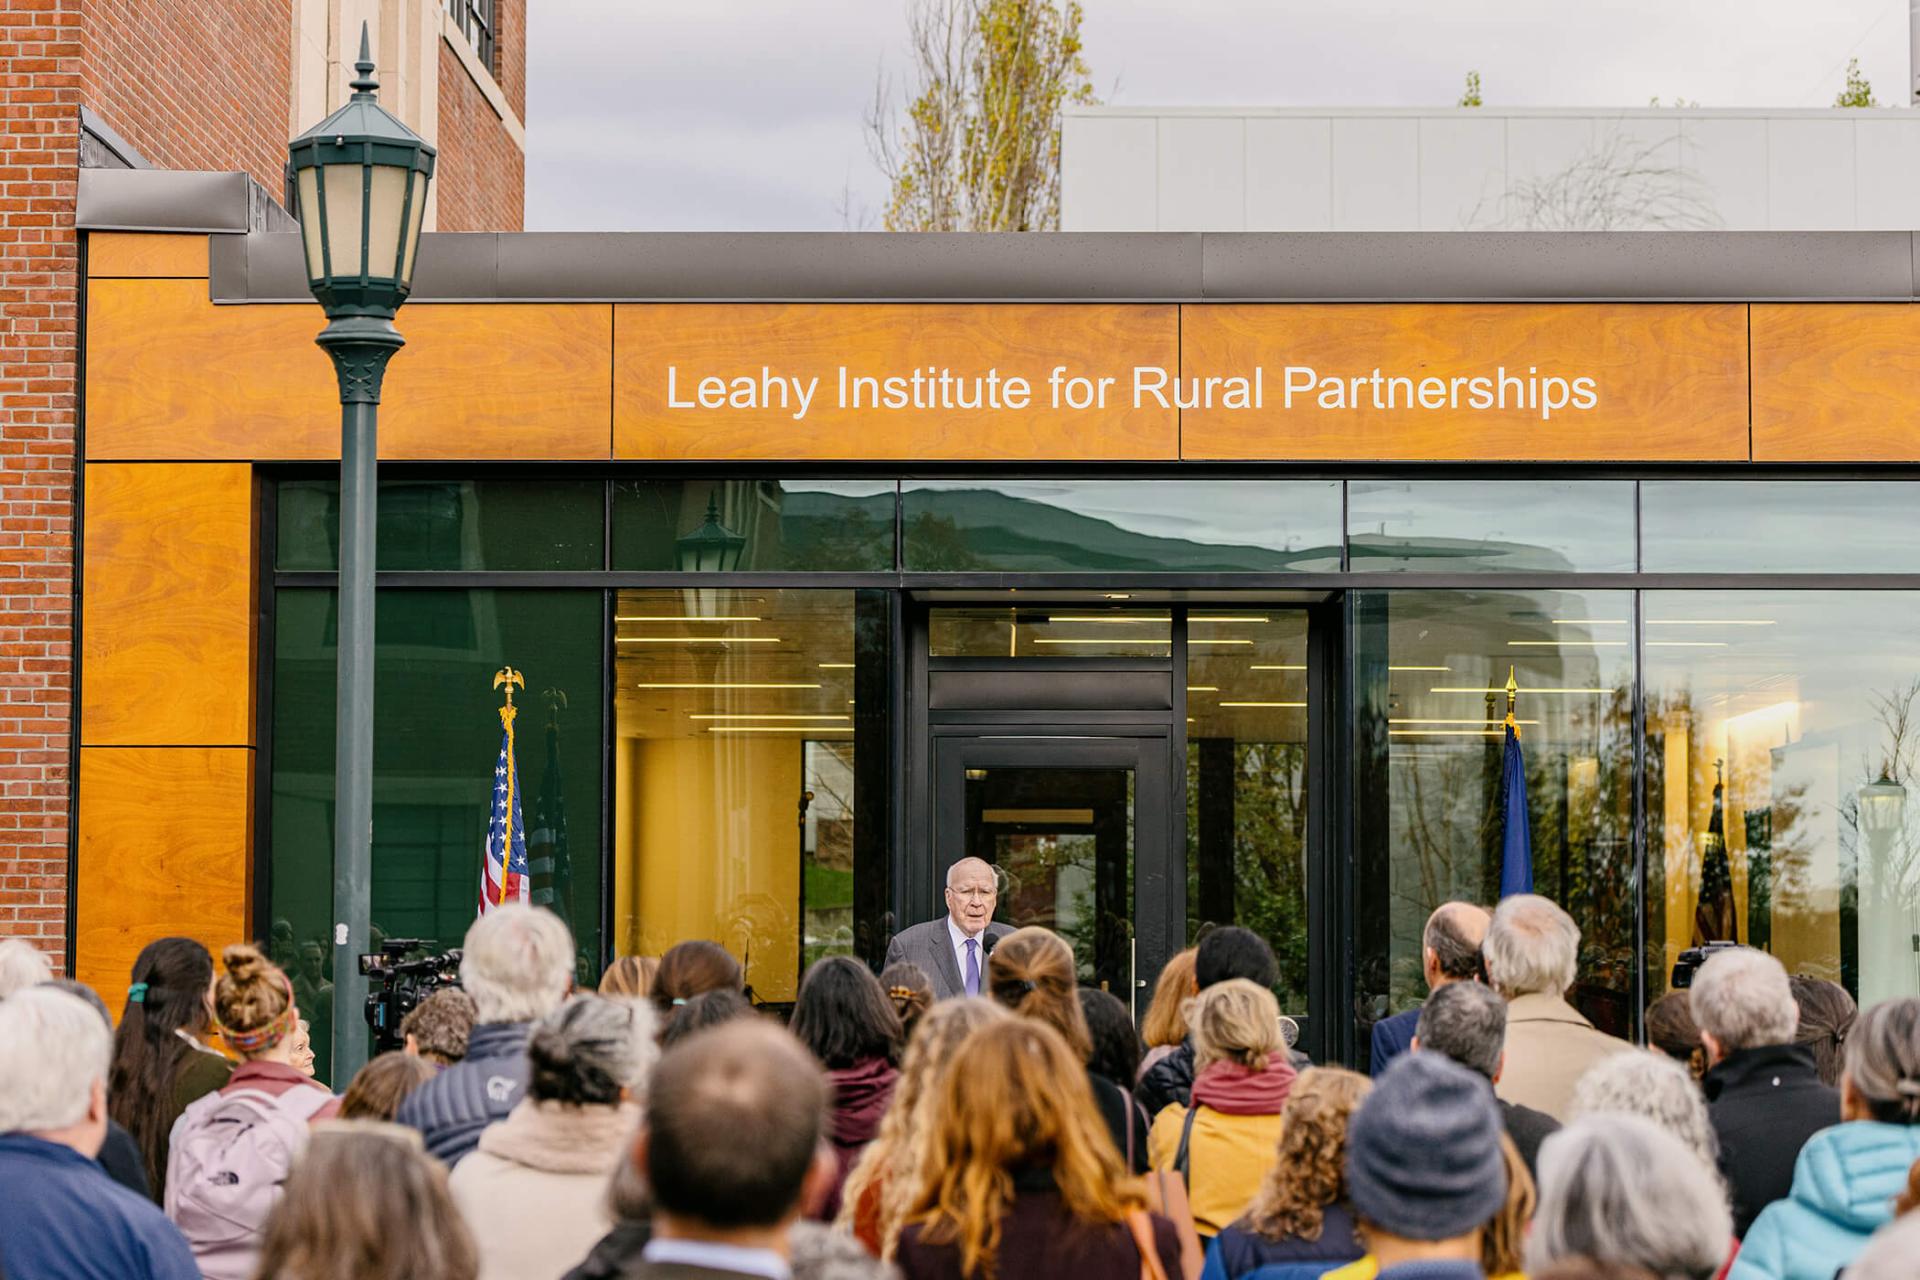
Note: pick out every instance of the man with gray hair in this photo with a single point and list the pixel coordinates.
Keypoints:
(518, 966)
(1449, 952)
(1764, 1094)
(1532, 950)
(64, 1216)
(1467, 1022)
(22, 965)
(952, 950)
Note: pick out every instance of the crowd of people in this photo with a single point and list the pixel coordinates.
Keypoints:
(988, 1120)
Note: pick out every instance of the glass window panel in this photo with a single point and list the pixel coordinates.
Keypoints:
(1140, 526)
(1476, 526)
(525, 525)
(1432, 670)
(1779, 526)
(1247, 782)
(733, 776)
(817, 525)
(1772, 719)
(436, 739)
(1062, 631)
(342, 187)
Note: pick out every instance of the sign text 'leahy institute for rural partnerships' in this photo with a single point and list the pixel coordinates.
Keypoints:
(937, 387)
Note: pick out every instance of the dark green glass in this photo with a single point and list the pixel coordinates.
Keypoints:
(785, 525)
(1132, 526)
(508, 525)
(436, 737)
(1490, 526)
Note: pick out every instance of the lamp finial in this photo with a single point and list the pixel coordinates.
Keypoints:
(1513, 693)
(364, 84)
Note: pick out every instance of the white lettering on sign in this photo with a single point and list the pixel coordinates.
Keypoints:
(1301, 387)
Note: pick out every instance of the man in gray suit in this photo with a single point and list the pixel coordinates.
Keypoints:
(953, 949)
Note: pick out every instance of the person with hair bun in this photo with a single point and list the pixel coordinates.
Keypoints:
(161, 1061)
(1826, 1017)
(1031, 972)
(630, 976)
(689, 969)
(1848, 1176)
(533, 1191)
(230, 1152)
(911, 991)
(1672, 1031)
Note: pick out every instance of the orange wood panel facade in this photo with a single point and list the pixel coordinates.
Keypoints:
(170, 375)
(1671, 381)
(167, 635)
(1836, 382)
(138, 253)
(163, 849)
(879, 340)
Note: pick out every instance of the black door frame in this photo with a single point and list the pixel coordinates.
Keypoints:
(1330, 1034)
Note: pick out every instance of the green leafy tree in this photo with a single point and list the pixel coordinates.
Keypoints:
(1858, 92)
(977, 147)
(1471, 98)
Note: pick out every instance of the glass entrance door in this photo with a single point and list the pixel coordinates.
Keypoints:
(1076, 827)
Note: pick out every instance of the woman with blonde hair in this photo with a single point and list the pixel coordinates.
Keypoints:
(1300, 1214)
(230, 1151)
(1223, 1144)
(1031, 972)
(1018, 1179)
(1165, 1026)
(366, 1203)
(874, 1199)
(630, 976)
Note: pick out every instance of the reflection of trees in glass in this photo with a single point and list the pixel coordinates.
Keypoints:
(1269, 854)
(937, 543)
(826, 867)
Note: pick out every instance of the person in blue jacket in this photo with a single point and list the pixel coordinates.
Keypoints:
(1847, 1176)
(1449, 952)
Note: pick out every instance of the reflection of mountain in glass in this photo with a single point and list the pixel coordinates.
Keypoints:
(957, 529)
(1372, 552)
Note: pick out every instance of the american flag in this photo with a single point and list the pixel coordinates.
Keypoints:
(506, 841)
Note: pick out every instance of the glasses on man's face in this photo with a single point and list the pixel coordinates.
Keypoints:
(972, 893)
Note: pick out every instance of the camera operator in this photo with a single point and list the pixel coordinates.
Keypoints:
(1764, 1094)
(518, 966)
(404, 985)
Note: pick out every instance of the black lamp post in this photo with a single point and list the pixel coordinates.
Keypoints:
(361, 182)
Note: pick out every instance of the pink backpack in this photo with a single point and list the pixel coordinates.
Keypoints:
(229, 1156)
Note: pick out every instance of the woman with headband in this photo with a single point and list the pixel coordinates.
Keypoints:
(232, 1150)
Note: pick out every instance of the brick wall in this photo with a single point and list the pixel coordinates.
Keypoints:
(40, 57)
(481, 176)
(193, 84)
(510, 53)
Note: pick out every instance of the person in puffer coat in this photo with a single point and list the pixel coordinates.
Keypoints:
(534, 1191)
(1847, 1177)
(518, 966)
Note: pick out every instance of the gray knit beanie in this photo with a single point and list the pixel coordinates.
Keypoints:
(1423, 1150)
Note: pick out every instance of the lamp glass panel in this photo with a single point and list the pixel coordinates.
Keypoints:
(343, 189)
(309, 181)
(416, 216)
(386, 201)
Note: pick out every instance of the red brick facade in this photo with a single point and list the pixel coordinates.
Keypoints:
(481, 176)
(40, 95)
(193, 84)
(190, 84)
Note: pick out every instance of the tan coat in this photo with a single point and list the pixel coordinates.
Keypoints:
(1549, 1047)
(534, 1192)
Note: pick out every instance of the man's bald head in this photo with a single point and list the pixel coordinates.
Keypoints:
(750, 1078)
(973, 891)
(1451, 943)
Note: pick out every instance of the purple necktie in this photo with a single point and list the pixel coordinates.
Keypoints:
(973, 967)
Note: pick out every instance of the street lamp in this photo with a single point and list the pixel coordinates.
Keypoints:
(360, 177)
(712, 548)
(1885, 942)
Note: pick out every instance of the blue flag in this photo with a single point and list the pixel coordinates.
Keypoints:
(1516, 849)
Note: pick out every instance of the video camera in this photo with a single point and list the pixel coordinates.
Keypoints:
(1692, 958)
(403, 984)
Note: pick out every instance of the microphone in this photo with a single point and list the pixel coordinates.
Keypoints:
(987, 939)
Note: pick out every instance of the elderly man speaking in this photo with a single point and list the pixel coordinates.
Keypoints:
(953, 950)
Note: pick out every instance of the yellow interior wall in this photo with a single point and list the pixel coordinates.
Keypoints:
(1676, 824)
(708, 846)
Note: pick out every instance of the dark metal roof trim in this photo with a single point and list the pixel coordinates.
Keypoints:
(175, 200)
(1466, 266)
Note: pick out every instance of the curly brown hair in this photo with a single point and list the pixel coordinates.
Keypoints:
(1310, 1171)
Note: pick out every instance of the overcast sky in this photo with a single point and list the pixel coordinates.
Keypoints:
(650, 115)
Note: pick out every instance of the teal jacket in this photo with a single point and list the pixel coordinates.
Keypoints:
(1843, 1189)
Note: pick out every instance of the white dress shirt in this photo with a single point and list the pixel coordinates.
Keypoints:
(960, 938)
(718, 1257)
